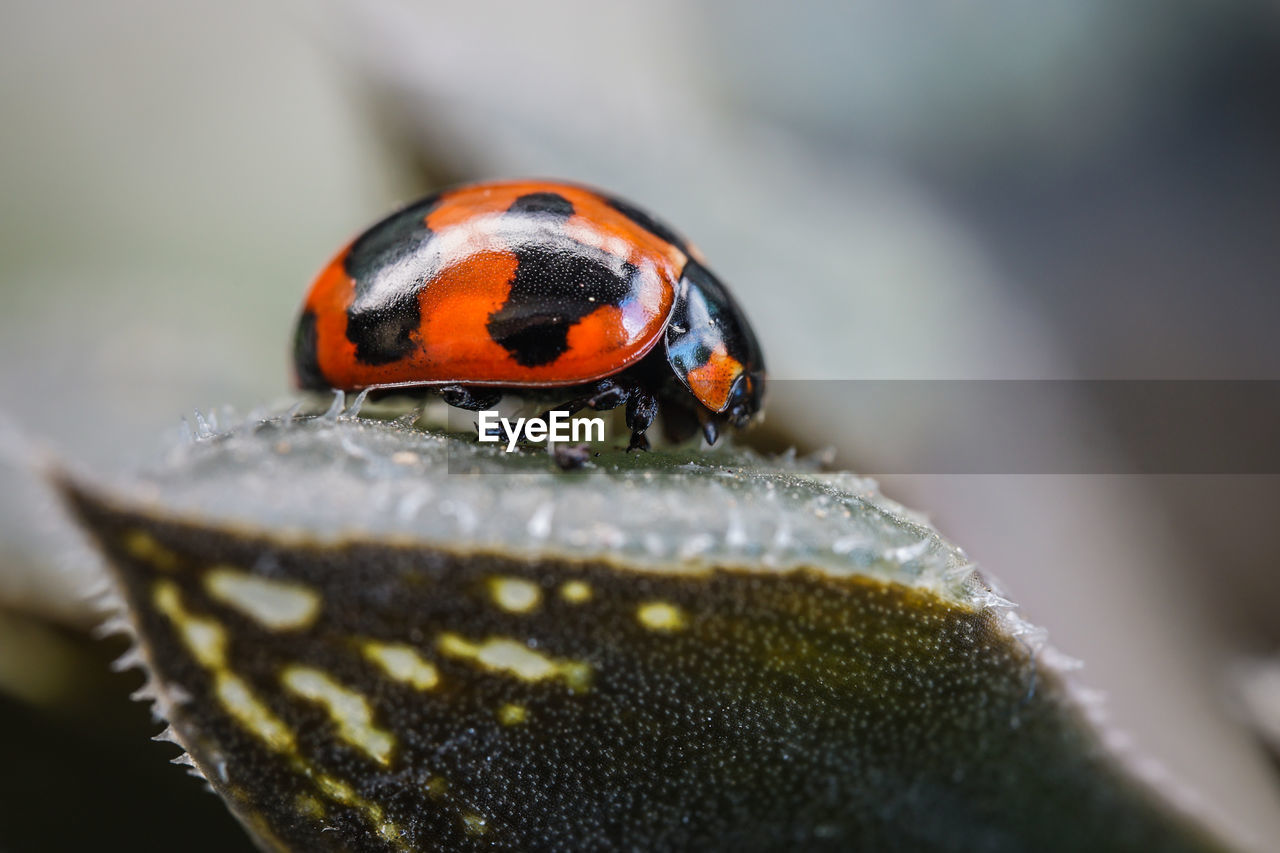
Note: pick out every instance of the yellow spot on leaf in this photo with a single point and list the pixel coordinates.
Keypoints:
(474, 823)
(342, 793)
(661, 616)
(309, 806)
(274, 604)
(437, 787)
(143, 546)
(207, 641)
(576, 592)
(402, 663)
(203, 637)
(252, 713)
(576, 674)
(389, 831)
(337, 790)
(350, 711)
(509, 657)
(515, 595)
(512, 715)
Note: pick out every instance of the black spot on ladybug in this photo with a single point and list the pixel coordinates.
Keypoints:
(552, 290)
(551, 203)
(647, 222)
(383, 315)
(305, 362)
(383, 334)
(395, 238)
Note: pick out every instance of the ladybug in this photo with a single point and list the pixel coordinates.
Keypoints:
(540, 288)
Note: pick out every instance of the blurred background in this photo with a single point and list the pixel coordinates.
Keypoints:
(991, 190)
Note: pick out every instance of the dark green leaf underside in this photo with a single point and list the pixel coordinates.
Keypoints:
(712, 709)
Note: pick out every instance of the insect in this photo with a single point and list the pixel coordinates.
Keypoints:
(545, 289)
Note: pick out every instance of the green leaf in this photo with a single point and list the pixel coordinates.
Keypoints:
(371, 637)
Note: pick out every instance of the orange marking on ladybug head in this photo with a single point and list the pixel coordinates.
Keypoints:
(712, 383)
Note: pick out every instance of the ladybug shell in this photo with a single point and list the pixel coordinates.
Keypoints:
(521, 284)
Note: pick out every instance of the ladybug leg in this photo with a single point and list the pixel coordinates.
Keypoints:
(471, 399)
(642, 408)
(608, 395)
(602, 397)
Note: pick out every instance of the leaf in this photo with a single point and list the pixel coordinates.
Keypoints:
(371, 637)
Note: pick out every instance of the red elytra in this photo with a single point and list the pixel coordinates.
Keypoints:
(530, 285)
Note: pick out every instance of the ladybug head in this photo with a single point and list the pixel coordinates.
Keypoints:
(712, 349)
